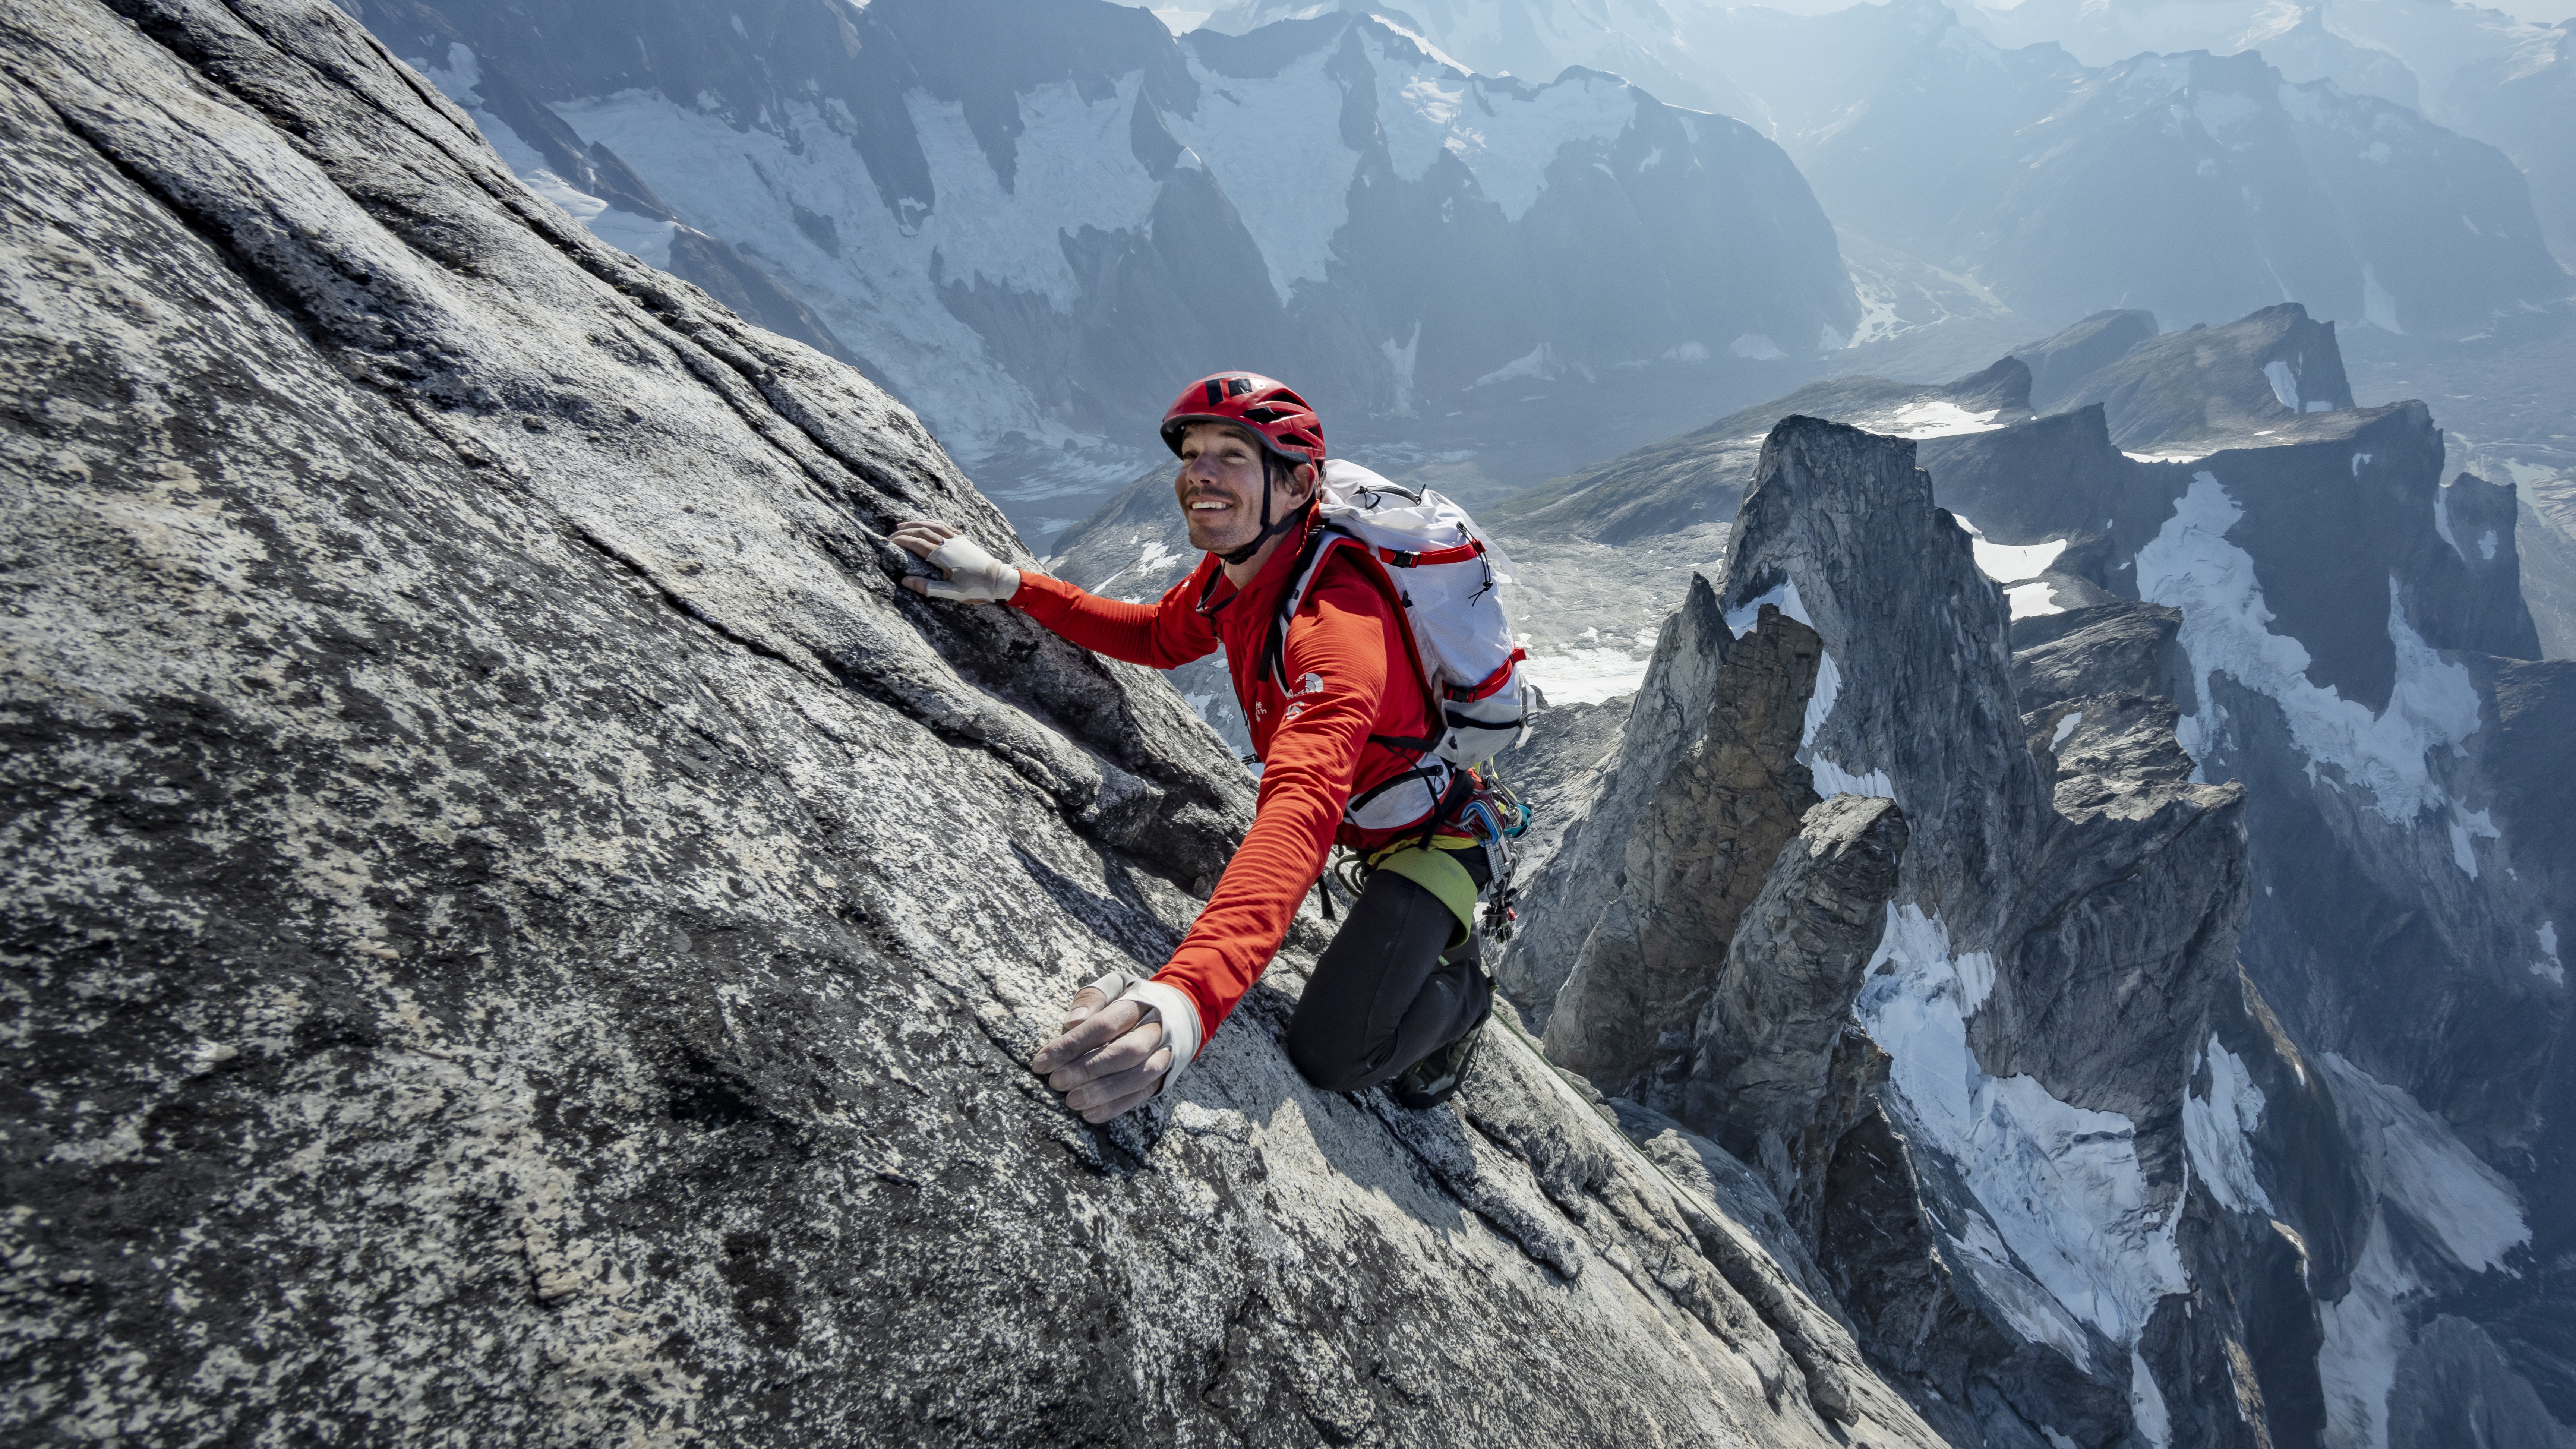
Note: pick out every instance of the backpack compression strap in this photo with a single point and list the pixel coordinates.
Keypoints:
(1492, 684)
(1466, 552)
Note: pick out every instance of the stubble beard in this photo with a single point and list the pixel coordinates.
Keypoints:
(1205, 538)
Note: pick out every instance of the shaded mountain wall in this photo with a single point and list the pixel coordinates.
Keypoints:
(1039, 217)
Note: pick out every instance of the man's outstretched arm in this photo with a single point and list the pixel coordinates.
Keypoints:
(1109, 1052)
(1162, 635)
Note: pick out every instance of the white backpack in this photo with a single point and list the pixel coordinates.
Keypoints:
(1445, 570)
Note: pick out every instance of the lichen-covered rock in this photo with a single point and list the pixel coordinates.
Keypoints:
(515, 930)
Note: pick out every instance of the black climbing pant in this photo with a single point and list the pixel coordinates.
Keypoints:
(1382, 996)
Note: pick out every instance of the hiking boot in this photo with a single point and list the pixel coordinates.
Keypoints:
(1434, 1079)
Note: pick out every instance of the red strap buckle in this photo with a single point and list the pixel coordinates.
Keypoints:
(1492, 684)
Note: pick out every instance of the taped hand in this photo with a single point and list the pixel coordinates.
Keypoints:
(1109, 1058)
(974, 576)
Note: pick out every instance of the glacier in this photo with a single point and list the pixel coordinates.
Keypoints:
(2062, 1184)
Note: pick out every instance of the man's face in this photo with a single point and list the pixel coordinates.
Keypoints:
(1220, 484)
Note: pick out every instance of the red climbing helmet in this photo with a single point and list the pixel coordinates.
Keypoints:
(1284, 421)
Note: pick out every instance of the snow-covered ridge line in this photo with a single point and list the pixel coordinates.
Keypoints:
(981, 268)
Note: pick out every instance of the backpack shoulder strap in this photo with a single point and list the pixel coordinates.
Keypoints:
(1321, 546)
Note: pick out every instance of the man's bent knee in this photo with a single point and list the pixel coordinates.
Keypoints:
(1330, 1065)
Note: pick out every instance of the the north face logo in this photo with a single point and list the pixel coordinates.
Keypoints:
(1311, 684)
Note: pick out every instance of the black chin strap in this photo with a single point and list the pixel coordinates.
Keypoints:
(1269, 530)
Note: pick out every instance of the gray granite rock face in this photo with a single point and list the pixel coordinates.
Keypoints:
(1779, 1076)
(2292, 604)
(2063, 361)
(2352, 648)
(516, 930)
(1559, 905)
(1689, 864)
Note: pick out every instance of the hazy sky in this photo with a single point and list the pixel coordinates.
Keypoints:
(1183, 18)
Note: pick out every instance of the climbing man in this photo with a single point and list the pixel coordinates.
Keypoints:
(1346, 726)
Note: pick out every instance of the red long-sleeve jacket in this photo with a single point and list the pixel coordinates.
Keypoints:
(1342, 747)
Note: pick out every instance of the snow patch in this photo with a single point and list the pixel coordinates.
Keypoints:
(1940, 418)
(1832, 779)
(2365, 1332)
(1820, 705)
(2065, 727)
(1506, 135)
(2026, 1307)
(1782, 596)
(2008, 562)
(2190, 565)
(2377, 307)
(2466, 827)
(2061, 1183)
(2442, 520)
(2420, 1166)
(1075, 169)
(1438, 55)
(2284, 386)
(1539, 363)
(1585, 676)
(1400, 361)
(2218, 1131)
(2487, 545)
(2030, 601)
(1277, 150)
(2147, 1404)
(1756, 346)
